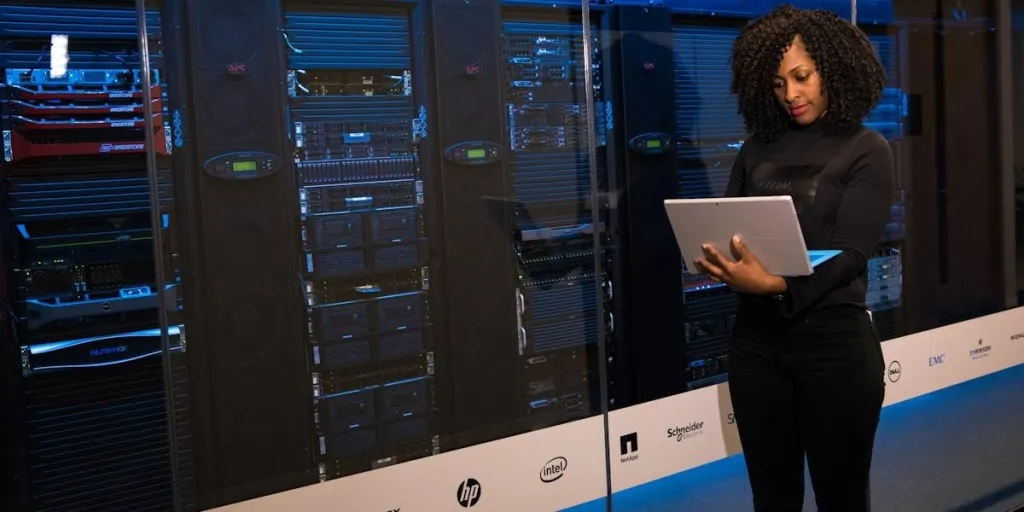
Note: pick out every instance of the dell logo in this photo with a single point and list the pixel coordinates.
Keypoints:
(468, 493)
(937, 360)
(894, 371)
(553, 469)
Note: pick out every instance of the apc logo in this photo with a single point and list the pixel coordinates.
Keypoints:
(629, 444)
(895, 370)
(937, 360)
(469, 492)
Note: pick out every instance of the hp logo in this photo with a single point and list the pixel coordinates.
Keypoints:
(469, 492)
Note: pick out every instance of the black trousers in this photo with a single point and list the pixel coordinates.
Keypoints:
(814, 389)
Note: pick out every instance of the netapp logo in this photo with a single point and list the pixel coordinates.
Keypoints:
(690, 431)
(629, 445)
(937, 360)
(895, 370)
(553, 469)
(109, 148)
(106, 351)
(981, 351)
(469, 492)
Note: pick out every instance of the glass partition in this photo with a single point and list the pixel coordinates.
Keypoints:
(390, 237)
(950, 206)
(296, 254)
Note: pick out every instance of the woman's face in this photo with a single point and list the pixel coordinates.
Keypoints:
(798, 87)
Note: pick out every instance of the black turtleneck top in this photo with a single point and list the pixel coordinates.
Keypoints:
(842, 186)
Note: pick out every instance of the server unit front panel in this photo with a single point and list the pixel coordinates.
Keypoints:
(358, 124)
(85, 404)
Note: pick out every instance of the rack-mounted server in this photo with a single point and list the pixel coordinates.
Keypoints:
(357, 133)
(563, 293)
(82, 350)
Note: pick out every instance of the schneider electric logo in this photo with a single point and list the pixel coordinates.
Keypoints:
(982, 350)
(694, 429)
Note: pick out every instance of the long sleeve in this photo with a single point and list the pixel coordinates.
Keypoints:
(860, 221)
(737, 177)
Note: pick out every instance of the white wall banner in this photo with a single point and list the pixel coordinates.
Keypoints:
(659, 438)
(563, 466)
(544, 470)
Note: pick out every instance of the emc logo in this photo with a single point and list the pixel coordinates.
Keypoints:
(937, 360)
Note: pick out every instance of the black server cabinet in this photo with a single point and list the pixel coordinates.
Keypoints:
(359, 124)
(238, 237)
(482, 337)
(83, 384)
(710, 135)
(560, 229)
(648, 337)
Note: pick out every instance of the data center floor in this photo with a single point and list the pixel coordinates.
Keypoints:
(958, 449)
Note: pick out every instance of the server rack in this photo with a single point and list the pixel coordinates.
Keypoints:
(84, 385)
(358, 121)
(711, 134)
(885, 268)
(564, 289)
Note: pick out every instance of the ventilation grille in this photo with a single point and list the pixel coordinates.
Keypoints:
(98, 439)
(377, 39)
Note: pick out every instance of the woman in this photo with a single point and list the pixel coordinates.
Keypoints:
(806, 368)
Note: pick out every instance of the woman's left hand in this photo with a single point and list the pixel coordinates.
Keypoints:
(745, 276)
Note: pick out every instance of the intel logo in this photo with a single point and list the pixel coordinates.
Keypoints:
(553, 469)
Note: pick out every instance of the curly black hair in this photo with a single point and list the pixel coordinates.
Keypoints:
(850, 72)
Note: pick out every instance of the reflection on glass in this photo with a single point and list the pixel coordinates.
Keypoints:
(83, 385)
(448, 285)
(561, 285)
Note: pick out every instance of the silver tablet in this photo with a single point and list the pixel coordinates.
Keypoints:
(768, 225)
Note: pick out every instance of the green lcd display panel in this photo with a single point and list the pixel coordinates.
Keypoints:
(244, 166)
(653, 144)
(476, 153)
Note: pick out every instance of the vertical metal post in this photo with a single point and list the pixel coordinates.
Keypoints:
(853, 11)
(602, 352)
(1007, 181)
(156, 223)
